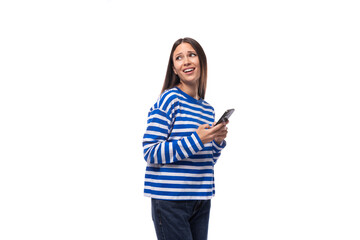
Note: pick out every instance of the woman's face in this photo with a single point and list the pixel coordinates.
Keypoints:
(186, 63)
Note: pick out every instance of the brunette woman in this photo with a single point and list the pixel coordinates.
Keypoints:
(181, 147)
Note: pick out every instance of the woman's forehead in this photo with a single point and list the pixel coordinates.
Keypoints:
(183, 48)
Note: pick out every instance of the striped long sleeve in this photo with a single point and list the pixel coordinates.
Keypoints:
(158, 149)
(179, 165)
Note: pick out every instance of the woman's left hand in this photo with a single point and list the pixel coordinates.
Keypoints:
(222, 133)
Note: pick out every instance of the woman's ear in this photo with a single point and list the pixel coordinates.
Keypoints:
(174, 71)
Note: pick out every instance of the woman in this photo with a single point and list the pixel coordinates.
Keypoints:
(181, 147)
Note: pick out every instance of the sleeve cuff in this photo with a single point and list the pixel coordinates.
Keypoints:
(218, 147)
(198, 140)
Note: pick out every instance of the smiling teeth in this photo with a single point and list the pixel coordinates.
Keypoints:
(188, 70)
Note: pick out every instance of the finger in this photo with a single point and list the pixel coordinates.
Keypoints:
(221, 131)
(223, 127)
(212, 125)
(217, 127)
(222, 136)
(204, 126)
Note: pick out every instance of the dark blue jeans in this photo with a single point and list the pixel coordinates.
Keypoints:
(182, 220)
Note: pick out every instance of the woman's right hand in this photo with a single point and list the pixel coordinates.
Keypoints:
(207, 133)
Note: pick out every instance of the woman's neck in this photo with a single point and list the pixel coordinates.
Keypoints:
(191, 90)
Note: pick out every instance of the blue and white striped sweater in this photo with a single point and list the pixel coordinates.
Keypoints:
(179, 165)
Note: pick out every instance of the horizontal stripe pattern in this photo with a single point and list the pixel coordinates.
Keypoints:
(179, 165)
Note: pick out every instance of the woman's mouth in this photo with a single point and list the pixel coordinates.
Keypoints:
(188, 70)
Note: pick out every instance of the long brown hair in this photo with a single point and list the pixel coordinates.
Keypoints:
(171, 79)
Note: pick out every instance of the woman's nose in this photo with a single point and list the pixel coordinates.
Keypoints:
(186, 61)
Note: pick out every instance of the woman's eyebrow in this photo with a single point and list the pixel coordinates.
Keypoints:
(191, 51)
(181, 53)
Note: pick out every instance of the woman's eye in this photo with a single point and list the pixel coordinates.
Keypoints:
(178, 58)
(192, 54)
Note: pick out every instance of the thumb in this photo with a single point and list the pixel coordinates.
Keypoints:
(204, 126)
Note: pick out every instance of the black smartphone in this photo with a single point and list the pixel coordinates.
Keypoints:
(225, 116)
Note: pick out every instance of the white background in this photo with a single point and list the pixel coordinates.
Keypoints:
(77, 81)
